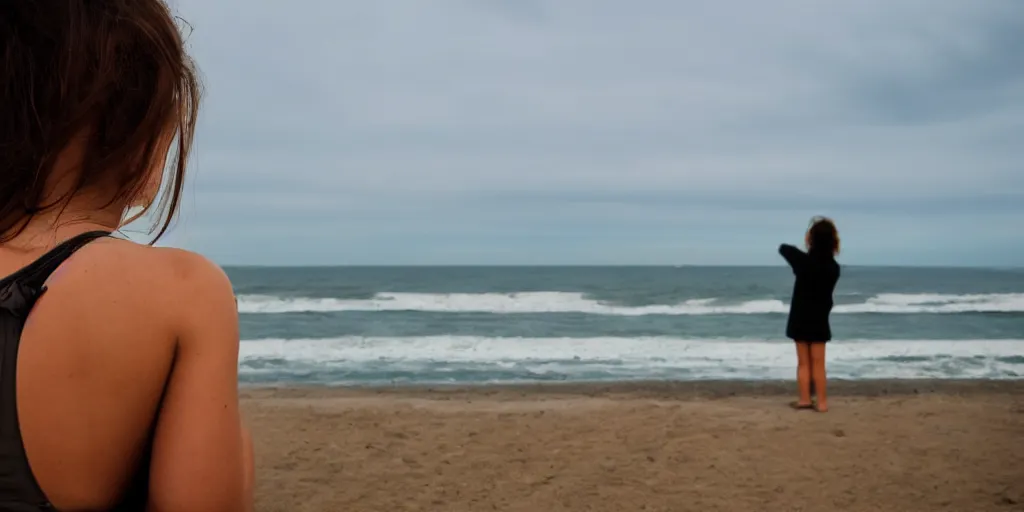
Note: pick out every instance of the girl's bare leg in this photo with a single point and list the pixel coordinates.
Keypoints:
(803, 373)
(817, 352)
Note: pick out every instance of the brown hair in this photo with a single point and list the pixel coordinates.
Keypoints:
(823, 235)
(113, 74)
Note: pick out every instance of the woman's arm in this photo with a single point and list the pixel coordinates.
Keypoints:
(795, 257)
(201, 453)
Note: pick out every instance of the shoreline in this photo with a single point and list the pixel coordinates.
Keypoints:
(708, 389)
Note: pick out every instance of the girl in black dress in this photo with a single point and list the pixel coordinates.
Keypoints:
(816, 274)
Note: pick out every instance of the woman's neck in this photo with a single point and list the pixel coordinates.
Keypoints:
(54, 225)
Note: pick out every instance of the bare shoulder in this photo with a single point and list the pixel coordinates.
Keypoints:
(123, 256)
(172, 281)
(201, 287)
(191, 272)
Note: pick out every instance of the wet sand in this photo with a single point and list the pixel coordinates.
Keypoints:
(716, 446)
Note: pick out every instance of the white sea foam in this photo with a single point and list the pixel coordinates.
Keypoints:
(444, 358)
(572, 302)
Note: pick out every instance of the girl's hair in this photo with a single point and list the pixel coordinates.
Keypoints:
(113, 74)
(823, 235)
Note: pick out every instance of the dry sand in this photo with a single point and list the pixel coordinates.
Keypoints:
(729, 446)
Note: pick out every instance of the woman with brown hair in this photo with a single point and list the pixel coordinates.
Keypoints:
(118, 361)
(816, 274)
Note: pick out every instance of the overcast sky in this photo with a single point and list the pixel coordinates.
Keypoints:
(605, 131)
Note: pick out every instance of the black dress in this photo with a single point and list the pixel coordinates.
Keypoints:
(816, 276)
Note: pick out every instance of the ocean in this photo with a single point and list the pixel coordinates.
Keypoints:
(474, 325)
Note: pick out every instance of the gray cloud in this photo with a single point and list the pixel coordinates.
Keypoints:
(445, 126)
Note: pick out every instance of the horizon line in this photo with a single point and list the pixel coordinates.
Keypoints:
(609, 265)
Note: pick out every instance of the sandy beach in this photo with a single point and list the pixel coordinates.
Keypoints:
(716, 446)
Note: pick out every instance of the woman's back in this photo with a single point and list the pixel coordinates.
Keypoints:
(816, 278)
(118, 370)
(96, 353)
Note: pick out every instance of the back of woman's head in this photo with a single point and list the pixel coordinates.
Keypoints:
(823, 236)
(105, 81)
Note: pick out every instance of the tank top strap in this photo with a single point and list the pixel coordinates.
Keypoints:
(19, 291)
(37, 272)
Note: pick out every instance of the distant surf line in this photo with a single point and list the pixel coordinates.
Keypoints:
(574, 302)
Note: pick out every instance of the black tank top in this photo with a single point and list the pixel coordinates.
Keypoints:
(19, 491)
